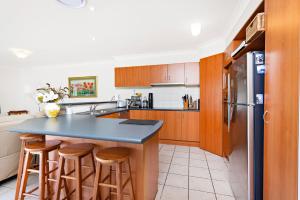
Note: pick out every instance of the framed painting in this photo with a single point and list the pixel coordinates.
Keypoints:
(83, 87)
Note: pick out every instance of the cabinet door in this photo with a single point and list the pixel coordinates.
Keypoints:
(119, 77)
(173, 125)
(139, 114)
(158, 73)
(191, 71)
(211, 106)
(281, 133)
(190, 126)
(176, 73)
(131, 76)
(158, 115)
(144, 76)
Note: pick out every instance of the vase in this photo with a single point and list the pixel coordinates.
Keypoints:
(52, 110)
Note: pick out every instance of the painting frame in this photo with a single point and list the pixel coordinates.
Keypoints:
(72, 80)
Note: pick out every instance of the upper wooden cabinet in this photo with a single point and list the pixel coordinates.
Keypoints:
(132, 76)
(159, 73)
(145, 76)
(227, 54)
(211, 104)
(176, 73)
(191, 73)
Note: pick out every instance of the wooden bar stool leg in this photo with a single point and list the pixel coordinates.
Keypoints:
(110, 181)
(42, 176)
(48, 175)
(66, 187)
(119, 181)
(78, 177)
(96, 182)
(27, 161)
(131, 183)
(61, 164)
(20, 170)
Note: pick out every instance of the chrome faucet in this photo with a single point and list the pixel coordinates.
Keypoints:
(93, 109)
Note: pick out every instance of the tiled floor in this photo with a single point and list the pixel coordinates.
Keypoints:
(186, 173)
(189, 173)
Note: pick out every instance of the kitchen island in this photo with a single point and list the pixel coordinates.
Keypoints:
(142, 140)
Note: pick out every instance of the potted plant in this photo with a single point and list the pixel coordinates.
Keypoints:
(50, 96)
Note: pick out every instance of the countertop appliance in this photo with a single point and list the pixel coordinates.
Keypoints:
(121, 104)
(135, 102)
(150, 100)
(245, 108)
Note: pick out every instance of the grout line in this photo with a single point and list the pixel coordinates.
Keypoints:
(162, 190)
(211, 177)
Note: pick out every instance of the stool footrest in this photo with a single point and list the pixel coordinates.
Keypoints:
(107, 185)
(87, 176)
(36, 171)
(68, 177)
(51, 171)
(125, 183)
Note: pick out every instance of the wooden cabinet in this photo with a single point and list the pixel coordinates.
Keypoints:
(158, 115)
(191, 73)
(173, 125)
(227, 54)
(139, 114)
(159, 73)
(144, 76)
(211, 111)
(190, 127)
(176, 73)
(281, 133)
(119, 77)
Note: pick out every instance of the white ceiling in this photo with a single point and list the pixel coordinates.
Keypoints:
(56, 34)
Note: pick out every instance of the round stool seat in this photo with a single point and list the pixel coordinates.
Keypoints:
(113, 154)
(31, 137)
(48, 145)
(76, 150)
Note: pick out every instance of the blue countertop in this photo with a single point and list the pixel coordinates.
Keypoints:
(88, 127)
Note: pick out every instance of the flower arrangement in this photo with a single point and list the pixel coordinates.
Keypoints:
(50, 94)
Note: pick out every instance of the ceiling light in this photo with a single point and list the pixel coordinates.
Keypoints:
(196, 29)
(73, 3)
(20, 53)
(92, 8)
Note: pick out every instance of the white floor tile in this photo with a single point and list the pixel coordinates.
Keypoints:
(222, 187)
(179, 169)
(198, 163)
(177, 180)
(7, 193)
(159, 191)
(11, 183)
(222, 197)
(166, 152)
(173, 193)
(196, 150)
(201, 184)
(197, 156)
(184, 149)
(221, 175)
(215, 164)
(165, 159)
(168, 147)
(162, 178)
(214, 157)
(181, 154)
(180, 161)
(163, 167)
(199, 172)
(198, 195)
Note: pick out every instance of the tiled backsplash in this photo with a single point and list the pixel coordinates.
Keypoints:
(163, 96)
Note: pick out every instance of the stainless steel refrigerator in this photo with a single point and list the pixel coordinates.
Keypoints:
(245, 108)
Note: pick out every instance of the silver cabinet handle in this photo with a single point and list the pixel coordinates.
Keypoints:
(264, 117)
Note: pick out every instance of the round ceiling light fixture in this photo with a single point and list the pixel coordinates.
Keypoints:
(73, 3)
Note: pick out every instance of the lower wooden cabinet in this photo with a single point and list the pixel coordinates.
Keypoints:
(190, 127)
(179, 126)
(139, 114)
(121, 115)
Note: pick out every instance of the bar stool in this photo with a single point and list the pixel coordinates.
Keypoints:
(75, 152)
(113, 156)
(42, 149)
(25, 139)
